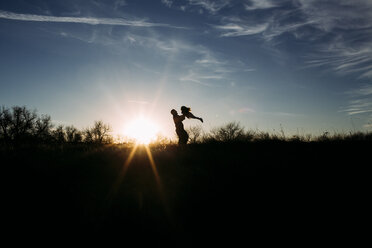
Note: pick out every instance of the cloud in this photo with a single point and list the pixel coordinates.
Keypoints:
(345, 56)
(208, 59)
(343, 36)
(212, 6)
(234, 29)
(365, 90)
(287, 16)
(207, 69)
(368, 125)
(337, 34)
(246, 110)
(196, 78)
(211, 69)
(265, 23)
(159, 43)
(361, 101)
(167, 3)
(283, 114)
(343, 14)
(260, 4)
(119, 3)
(84, 20)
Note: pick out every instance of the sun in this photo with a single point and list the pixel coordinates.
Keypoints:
(142, 130)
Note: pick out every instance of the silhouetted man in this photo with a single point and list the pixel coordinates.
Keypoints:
(183, 137)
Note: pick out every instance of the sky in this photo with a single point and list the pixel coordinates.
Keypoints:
(301, 66)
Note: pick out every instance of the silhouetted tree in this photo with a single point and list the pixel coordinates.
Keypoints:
(72, 134)
(229, 132)
(5, 123)
(59, 134)
(78, 137)
(43, 128)
(195, 133)
(99, 133)
(88, 135)
(17, 124)
(22, 123)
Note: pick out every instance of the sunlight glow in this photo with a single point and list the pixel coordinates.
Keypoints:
(121, 175)
(142, 130)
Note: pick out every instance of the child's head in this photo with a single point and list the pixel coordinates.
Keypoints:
(185, 110)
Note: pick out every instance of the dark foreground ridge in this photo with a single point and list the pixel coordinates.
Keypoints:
(206, 193)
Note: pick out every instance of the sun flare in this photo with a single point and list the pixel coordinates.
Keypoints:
(142, 130)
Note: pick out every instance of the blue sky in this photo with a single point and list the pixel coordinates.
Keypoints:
(301, 65)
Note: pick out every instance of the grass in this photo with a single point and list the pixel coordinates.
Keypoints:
(210, 192)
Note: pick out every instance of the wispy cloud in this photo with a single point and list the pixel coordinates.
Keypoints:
(119, 3)
(84, 20)
(212, 69)
(167, 3)
(365, 90)
(260, 4)
(368, 124)
(359, 106)
(235, 29)
(344, 56)
(207, 69)
(338, 33)
(212, 6)
(361, 101)
(246, 110)
(200, 6)
(154, 41)
(208, 59)
(342, 37)
(343, 14)
(283, 114)
(196, 78)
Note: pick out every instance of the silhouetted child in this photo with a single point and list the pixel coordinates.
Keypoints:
(186, 112)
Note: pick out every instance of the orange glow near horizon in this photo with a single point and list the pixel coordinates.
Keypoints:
(124, 169)
(121, 175)
(142, 130)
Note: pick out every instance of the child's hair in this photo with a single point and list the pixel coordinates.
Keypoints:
(185, 110)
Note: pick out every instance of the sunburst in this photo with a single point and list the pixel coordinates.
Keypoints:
(142, 130)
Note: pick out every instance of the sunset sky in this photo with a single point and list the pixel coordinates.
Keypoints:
(301, 65)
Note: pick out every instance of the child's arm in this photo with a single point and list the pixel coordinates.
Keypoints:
(190, 115)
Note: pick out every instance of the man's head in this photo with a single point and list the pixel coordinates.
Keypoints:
(174, 112)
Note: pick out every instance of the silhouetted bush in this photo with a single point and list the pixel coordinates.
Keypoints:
(232, 131)
(195, 134)
(73, 135)
(98, 134)
(59, 134)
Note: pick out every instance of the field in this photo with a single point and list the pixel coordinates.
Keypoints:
(233, 192)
